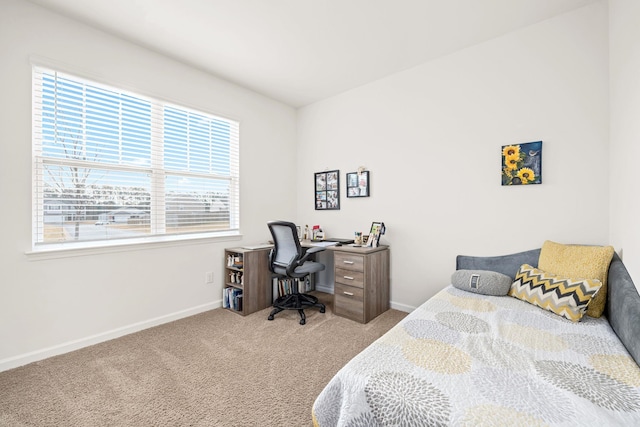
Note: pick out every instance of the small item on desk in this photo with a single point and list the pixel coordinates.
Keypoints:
(307, 235)
(358, 238)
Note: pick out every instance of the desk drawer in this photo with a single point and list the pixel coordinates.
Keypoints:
(349, 277)
(349, 261)
(348, 302)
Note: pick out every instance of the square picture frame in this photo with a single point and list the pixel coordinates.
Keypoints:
(358, 184)
(521, 164)
(327, 190)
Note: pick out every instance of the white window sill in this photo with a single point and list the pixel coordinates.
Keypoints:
(67, 250)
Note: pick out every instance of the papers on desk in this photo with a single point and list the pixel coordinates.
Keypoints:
(323, 244)
(258, 246)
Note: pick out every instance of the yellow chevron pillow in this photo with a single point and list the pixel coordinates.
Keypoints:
(589, 262)
(565, 297)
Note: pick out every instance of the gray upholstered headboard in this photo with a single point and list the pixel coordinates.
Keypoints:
(505, 264)
(623, 300)
(623, 307)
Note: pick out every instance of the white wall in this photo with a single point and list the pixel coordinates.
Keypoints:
(50, 306)
(624, 55)
(431, 137)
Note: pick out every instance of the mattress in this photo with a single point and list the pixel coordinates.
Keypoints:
(467, 360)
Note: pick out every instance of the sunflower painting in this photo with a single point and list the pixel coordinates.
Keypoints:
(522, 164)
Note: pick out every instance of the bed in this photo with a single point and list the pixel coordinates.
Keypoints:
(466, 358)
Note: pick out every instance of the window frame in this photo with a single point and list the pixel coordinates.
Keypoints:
(157, 171)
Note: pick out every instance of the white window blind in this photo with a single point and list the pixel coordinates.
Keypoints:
(111, 164)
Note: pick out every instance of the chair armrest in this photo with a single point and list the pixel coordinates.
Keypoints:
(292, 265)
(271, 252)
(312, 250)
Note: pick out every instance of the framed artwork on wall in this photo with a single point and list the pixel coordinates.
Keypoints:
(358, 184)
(522, 163)
(327, 190)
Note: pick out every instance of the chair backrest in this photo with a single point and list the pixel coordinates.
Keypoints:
(286, 243)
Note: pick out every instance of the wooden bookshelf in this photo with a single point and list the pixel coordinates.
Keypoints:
(247, 278)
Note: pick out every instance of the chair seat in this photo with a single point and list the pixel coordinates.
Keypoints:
(307, 268)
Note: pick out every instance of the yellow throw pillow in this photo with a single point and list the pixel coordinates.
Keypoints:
(585, 262)
(563, 296)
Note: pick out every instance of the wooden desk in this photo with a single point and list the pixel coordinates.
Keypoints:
(361, 280)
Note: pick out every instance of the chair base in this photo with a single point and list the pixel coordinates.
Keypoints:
(298, 302)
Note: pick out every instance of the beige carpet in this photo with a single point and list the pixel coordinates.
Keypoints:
(213, 369)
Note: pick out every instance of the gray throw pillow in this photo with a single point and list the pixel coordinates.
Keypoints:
(482, 282)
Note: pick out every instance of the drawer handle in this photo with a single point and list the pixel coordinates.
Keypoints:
(348, 262)
(348, 277)
(348, 293)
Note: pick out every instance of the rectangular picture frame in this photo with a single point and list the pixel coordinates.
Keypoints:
(327, 190)
(358, 184)
(377, 230)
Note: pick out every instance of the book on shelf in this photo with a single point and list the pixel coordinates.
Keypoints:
(282, 287)
(232, 298)
(225, 298)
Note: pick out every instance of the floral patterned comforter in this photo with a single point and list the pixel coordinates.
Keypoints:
(464, 359)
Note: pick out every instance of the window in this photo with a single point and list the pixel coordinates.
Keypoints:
(111, 164)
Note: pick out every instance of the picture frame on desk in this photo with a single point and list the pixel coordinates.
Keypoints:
(327, 190)
(377, 229)
(358, 184)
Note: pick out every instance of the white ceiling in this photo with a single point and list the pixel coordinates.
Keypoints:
(302, 51)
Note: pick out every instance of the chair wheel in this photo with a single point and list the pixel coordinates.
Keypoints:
(322, 310)
(302, 321)
(270, 317)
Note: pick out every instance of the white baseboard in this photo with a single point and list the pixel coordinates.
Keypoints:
(394, 305)
(34, 356)
(402, 307)
(324, 288)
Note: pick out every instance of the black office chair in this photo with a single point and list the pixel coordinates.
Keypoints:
(288, 260)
